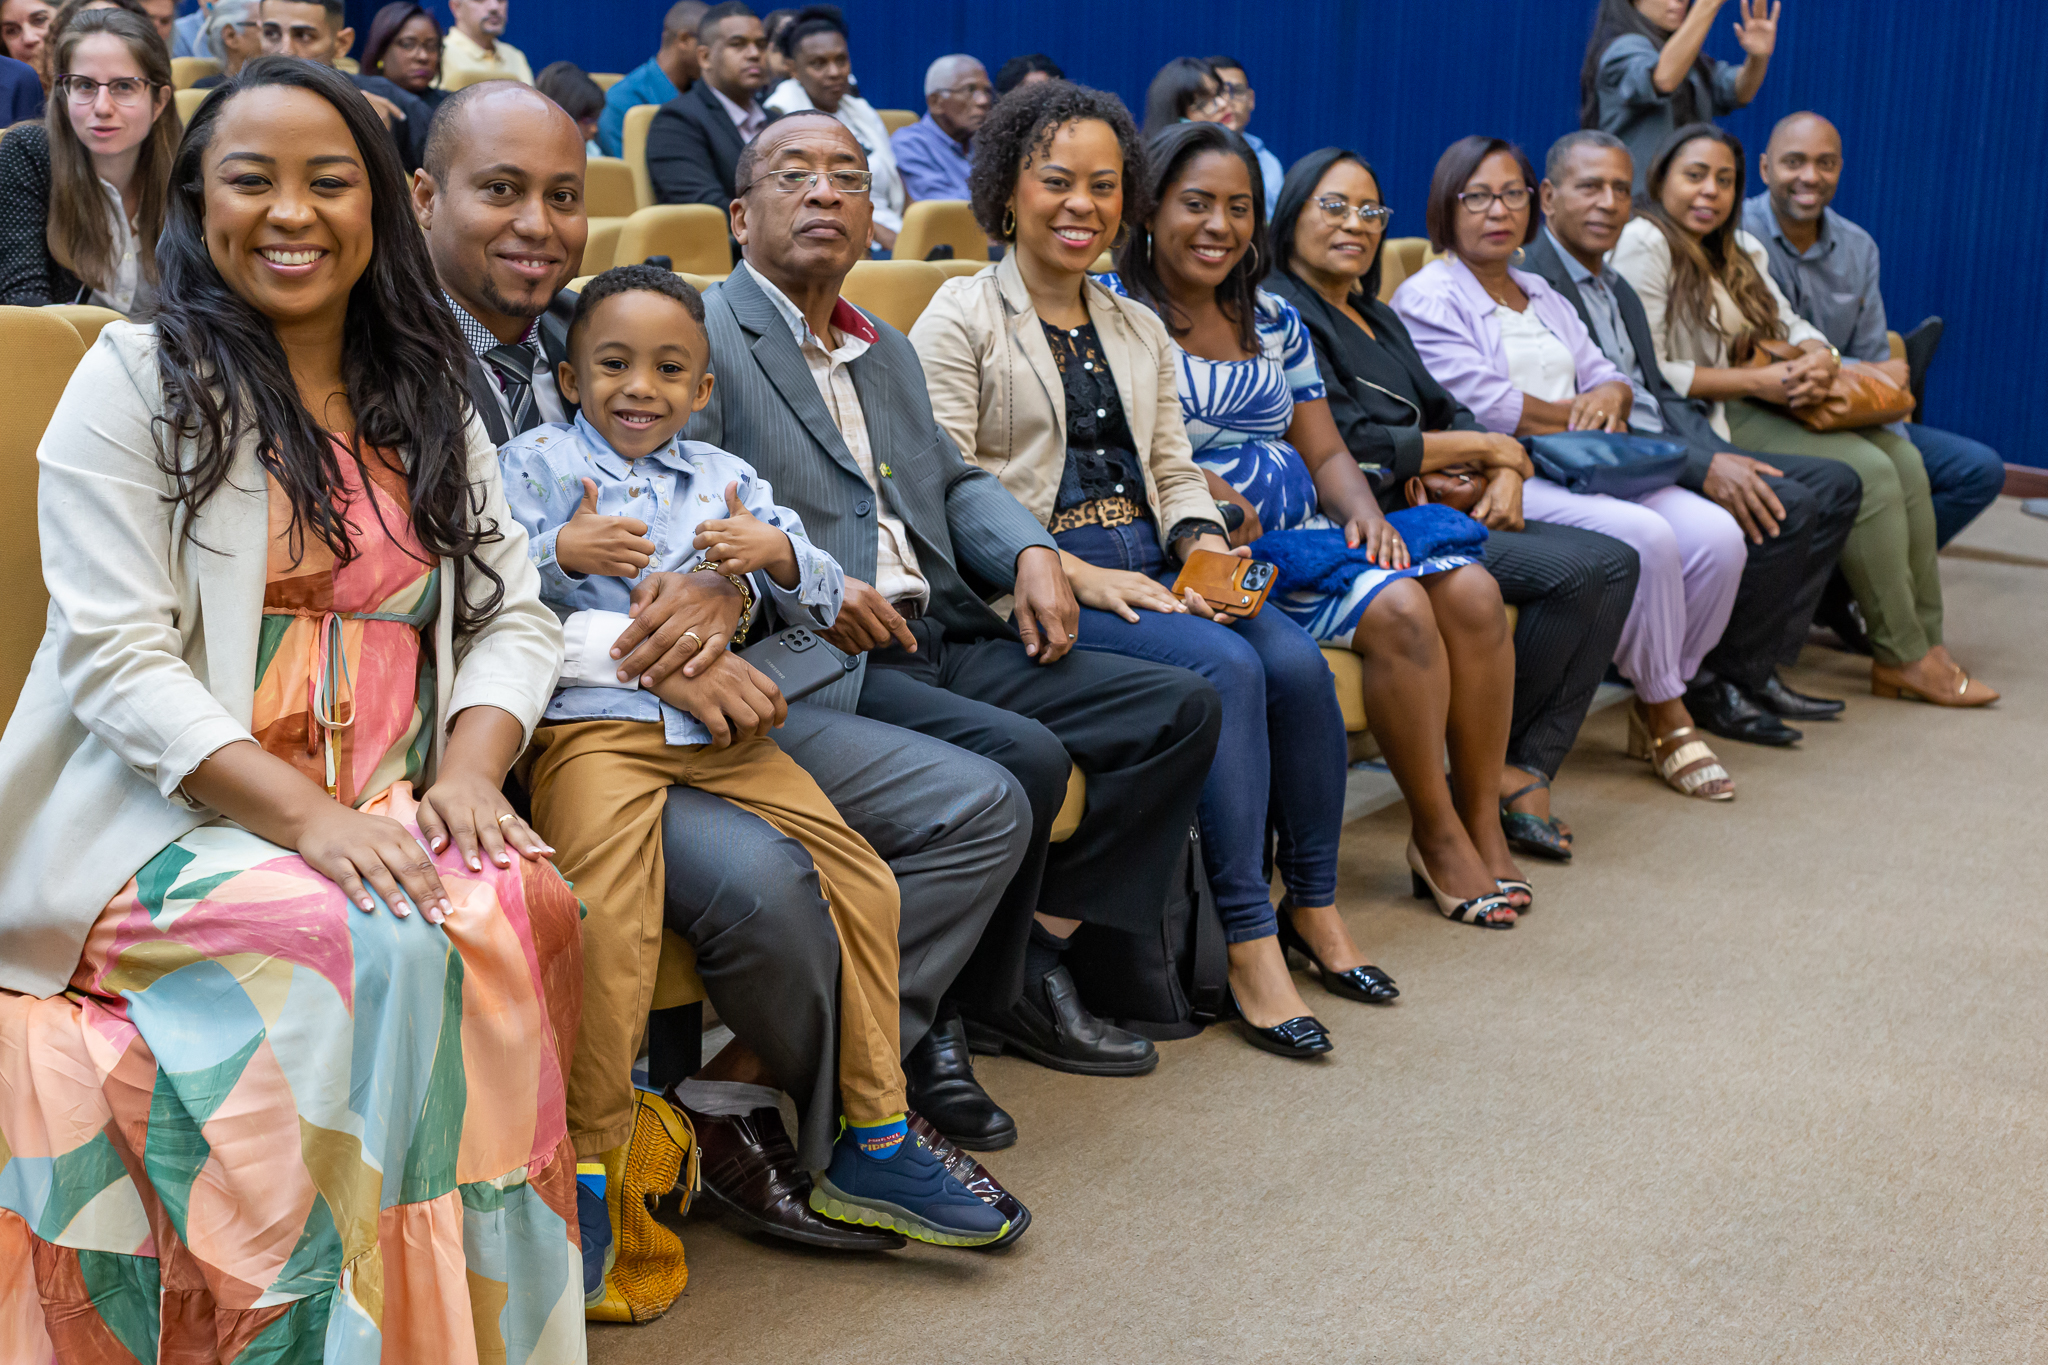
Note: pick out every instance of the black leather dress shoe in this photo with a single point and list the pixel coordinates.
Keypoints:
(1781, 700)
(751, 1171)
(1720, 708)
(939, 1076)
(1302, 1037)
(976, 1178)
(1052, 1027)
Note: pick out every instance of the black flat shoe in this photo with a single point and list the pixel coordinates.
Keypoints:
(1300, 1037)
(1781, 700)
(1052, 1027)
(1368, 985)
(939, 1078)
(1720, 708)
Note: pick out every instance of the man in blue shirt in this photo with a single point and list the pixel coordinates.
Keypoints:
(934, 154)
(185, 39)
(1828, 268)
(21, 92)
(659, 79)
(1237, 87)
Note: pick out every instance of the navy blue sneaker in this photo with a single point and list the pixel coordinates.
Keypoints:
(594, 1221)
(912, 1193)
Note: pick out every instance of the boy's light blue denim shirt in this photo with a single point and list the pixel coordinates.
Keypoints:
(674, 490)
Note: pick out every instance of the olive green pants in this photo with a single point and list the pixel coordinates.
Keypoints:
(1890, 557)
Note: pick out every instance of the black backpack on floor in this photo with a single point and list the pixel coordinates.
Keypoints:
(1167, 984)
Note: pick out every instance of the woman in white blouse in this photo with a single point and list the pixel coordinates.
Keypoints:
(82, 193)
(1706, 285)
(821, 78)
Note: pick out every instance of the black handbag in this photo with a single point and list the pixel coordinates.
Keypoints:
(1165, 983)
(1611, 462)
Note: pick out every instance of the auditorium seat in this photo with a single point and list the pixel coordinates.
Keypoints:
(694, 237)
(189, 102)
(44, 349)
(934, 222)
(951, 269)
(608, 188)
(892, 119)
(633, 151)
(606, 79)
(86, 319)
(186, 70)
(601, 247)
(1400, 257)
(894, 291)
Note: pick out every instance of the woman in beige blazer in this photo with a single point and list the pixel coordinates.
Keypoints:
(253, 828)
(1707, 288)
(1068, 393)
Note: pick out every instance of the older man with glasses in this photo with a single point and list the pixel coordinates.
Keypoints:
(935, 153)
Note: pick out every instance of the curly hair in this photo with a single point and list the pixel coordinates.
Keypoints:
(1022, 126)
(1698, 262)
(624, 279)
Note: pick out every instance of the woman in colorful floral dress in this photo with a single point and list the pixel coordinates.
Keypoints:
(288, 987)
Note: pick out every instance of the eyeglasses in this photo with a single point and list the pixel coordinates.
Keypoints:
(84, 90)
(1211, 103)
(1336, 211)
(1236, 94)
(794, 182)
(1515, 198)
(973, 90)
(415, 46)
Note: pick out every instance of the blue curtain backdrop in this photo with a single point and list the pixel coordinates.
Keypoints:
(1941, 105)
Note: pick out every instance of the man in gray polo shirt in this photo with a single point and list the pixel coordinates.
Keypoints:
(1828, 268)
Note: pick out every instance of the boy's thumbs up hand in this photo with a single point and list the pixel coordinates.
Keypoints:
(742, 543)
(614, 547)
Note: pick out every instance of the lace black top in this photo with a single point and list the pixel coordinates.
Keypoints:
(1101, 459)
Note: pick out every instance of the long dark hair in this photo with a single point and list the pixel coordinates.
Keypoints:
(1697, 262)
(1169, 153)
(1295, 191)
(1617, 19)
(77, 224)
(225, 374)
(1174, 91)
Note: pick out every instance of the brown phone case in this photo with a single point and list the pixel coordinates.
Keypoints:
(1227, 583)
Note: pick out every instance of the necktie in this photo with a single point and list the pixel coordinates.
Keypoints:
(514, 366)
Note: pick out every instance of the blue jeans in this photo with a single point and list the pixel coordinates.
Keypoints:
(1963, 477)
(1282, 746)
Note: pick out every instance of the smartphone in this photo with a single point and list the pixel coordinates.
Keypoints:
(1227, 583)
(799, 661)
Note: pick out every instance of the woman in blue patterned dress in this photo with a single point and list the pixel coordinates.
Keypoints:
(1433, 636)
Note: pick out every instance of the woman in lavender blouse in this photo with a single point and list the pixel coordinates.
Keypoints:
(1514, 351)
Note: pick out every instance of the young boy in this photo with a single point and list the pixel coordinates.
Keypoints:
(614, 496)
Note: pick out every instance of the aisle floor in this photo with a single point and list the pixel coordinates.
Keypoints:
(1758, 1082)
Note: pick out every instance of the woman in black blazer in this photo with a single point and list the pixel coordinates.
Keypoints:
(1571, 587)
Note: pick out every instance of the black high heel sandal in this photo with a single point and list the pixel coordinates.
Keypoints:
(1367, 985)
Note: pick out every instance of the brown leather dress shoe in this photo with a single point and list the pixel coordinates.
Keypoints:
(976, 1178)
(750, 1170)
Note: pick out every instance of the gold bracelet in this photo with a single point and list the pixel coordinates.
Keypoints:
(746, 591)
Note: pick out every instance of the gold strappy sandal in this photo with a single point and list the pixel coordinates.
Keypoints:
(1681, 758)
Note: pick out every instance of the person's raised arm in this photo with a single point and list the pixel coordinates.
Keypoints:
(1757, 31)
(1675, 59)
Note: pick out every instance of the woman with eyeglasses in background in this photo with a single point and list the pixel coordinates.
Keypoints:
(84, 190)
(1514, 351)
(1187, 89)
(405, 49)
(1571, 588)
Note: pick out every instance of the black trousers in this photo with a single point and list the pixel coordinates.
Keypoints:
(1782, 583)
(1142, 735)
(1572, 589)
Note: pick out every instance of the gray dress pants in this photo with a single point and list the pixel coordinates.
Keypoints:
(951, 825)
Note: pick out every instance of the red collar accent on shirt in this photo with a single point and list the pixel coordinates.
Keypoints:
(853, 322)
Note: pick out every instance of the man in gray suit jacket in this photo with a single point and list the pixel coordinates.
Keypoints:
(501, 205)
(830, 405)
(1797, 512)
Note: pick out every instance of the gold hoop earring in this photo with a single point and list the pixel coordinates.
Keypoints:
(1010, 223)
(1254, 266)
(1123, 235)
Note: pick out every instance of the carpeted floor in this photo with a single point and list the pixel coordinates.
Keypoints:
(1762, 1082)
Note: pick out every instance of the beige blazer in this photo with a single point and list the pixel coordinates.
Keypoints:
(148, 663)
(996, 390)
(1643, 258)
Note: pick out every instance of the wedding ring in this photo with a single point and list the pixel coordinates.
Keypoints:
(507, 816)
(692, 635)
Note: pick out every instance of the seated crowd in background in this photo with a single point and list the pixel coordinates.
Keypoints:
(984, 517)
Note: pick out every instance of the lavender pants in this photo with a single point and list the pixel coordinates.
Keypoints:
(1693, 554)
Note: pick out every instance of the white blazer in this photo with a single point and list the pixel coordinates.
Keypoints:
(148, 663)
